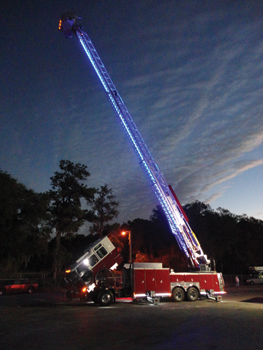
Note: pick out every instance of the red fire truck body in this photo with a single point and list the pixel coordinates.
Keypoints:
(152, 279)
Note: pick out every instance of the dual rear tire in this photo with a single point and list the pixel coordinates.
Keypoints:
(179, 294)
(192, 294)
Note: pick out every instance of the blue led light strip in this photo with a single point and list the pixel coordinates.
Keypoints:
(179, 227)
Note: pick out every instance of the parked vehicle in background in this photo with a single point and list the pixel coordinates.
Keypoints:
(11, 286)
(255, 275)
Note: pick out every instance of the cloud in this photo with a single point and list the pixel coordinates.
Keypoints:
(213, 197)
(233, 173)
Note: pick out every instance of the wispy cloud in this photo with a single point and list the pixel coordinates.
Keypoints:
(206, 110)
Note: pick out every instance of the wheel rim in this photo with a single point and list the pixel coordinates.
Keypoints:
(192, 294)
(105, 298)
(178, 294)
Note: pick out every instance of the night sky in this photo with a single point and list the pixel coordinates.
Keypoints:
(190, 73)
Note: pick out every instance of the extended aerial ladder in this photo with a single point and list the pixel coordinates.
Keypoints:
(178, 221)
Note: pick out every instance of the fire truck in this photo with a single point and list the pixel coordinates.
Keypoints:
(149, 279)
(93, 277)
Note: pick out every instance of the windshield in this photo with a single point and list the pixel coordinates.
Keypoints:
(84, 272)
(72, 277)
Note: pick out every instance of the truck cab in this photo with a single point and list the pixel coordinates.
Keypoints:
(89, 273)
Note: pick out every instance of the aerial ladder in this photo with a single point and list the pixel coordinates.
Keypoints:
(70, 25)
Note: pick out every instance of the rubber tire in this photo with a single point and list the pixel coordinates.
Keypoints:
(105, 298)
(30, 290)
(192, 294)
(178, 294)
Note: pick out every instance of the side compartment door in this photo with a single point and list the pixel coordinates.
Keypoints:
(206, 281)
(163, 281)
(139, 281)
(150, 284)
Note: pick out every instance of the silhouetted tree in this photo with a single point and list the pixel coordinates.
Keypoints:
(234, 241)
(104, 208)
(24, 223)
(65, 204)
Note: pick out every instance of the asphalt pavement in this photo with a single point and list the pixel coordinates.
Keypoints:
(47, 320)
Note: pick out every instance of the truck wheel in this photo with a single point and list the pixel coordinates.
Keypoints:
(105, 298)
(192, 294)
(178, 294)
